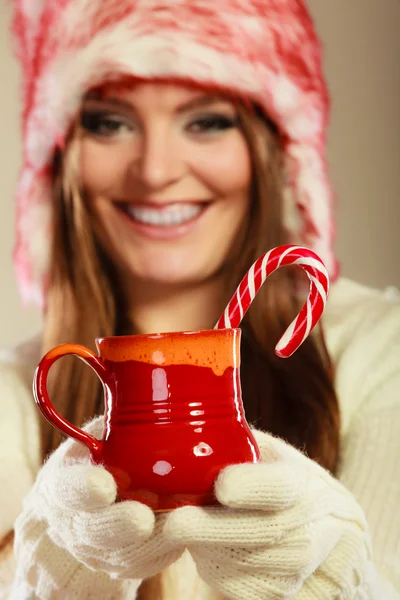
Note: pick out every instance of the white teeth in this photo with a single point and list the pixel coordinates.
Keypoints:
(175, 214)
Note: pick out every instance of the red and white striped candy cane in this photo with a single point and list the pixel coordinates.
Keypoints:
(312, 310)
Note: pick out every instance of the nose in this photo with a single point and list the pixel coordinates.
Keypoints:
(160, 162)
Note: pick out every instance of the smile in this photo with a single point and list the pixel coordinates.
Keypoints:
(170, 215)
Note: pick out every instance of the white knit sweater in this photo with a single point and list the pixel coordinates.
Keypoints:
(362, 329)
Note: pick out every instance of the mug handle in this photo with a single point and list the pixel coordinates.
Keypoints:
(43, 400)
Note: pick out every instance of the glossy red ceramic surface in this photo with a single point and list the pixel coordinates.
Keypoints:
(174, 415)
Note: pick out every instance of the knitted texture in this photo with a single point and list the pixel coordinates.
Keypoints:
(70, 518)
(53, 574)
(262, 50)
(19, 454)
(290, 530)
(19, 447)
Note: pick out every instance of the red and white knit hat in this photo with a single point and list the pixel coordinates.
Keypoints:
(266, 50)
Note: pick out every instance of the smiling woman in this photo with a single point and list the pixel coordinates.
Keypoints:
(167, 171)
(168, 145)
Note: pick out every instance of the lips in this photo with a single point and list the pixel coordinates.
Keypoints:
(168, 215)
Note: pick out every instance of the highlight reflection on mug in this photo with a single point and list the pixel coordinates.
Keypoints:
(159, 384)
(162, 467)
(202, 449)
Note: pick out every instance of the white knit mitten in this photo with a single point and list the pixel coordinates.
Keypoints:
(71, 512)
(287, 530)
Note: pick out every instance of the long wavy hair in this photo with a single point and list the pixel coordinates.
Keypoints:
(292, 398)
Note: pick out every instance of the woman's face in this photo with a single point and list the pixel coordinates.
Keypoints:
(167, 171)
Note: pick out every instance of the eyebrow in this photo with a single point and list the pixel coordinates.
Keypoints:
(113, 101)
(198, 101)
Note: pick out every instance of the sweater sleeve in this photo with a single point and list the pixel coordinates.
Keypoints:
(366, 351)
(48, 572)
(19, 455)
(19, 443)
(371, 471)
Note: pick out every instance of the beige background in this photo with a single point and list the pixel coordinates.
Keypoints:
(362, 52)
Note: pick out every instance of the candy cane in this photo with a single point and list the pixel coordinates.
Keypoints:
(312, 310)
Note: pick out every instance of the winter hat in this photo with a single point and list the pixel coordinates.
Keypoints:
(266, 50)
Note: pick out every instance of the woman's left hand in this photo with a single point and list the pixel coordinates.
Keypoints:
(287, 530)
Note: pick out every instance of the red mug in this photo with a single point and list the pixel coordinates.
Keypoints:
(174, 415)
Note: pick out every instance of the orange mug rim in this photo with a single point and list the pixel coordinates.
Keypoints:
(163, 334)
(214, 348)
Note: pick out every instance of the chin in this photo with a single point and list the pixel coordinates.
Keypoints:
(170, 277)
(163, 280)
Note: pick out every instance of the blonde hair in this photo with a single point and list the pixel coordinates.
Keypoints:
(294, 399)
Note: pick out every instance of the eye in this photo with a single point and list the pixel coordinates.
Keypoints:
(212, 123)
(104, 124)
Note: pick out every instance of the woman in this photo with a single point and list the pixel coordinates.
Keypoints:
(167, 146)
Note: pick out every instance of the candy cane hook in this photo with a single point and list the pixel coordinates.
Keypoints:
(310, 313)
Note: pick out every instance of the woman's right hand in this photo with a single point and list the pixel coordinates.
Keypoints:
(73, 504)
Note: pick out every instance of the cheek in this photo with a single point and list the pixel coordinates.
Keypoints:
(227, 169)
(101, 168)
